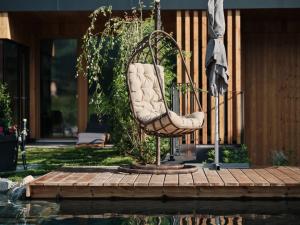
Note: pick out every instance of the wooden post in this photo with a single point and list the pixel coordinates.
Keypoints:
(82, 101)
(203, 73)
(187, 32)
(82, 86)
(237, 52)
(179, 62)
(196, 65)
(5, 32)
(230, 81)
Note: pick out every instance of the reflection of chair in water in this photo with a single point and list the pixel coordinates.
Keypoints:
(57, 122)
(210, 220)
(96, 134)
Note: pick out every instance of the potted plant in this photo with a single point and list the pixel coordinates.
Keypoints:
(8, 138)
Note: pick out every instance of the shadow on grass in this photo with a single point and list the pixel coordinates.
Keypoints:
(47, 159)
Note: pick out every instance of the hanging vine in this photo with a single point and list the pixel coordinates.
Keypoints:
(103, 59)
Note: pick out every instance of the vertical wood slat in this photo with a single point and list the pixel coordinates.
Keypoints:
(5, 30)
(233, 101)
(196, 65)
(230, 72)
(82, 101)
(33, 88)
(212, 120)
(237, 69)
(179, 62)
(187, 48)
(203, 74)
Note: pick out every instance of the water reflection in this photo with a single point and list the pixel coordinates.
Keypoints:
(145, 212)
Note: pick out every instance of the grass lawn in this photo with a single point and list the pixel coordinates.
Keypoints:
(47, 159)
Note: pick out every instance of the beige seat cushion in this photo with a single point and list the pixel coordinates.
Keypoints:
(146, 96)
(148, 104)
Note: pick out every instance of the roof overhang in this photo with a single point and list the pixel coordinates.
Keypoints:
(89, 5)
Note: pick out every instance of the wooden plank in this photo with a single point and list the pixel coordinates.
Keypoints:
(282, 176)
(290, 173)
(179, 61)
(100, 179)
(187, 49)
(71, 180)
(241, 177)
(40, 180)
(196, 64)
(203, 73)
(200, 178)
(227, 178)
(114, 180)
(274, 181)
(295, 169)
(213, 177)
(55, 181)
(237, 68)
(185, 179)
(142, 180)
(229, 33)
(157, 180)
(85, 179)
(171, 180)
(257, 179)
(128, 180)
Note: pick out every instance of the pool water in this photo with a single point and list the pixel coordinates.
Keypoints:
(150, 212)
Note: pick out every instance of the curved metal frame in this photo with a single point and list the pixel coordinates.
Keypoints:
(151, 42)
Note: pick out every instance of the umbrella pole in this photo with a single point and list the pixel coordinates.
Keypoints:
(217, 164)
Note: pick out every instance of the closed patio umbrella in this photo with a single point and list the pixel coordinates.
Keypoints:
(216, 62)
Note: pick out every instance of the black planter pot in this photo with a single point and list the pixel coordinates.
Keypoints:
(8, 153)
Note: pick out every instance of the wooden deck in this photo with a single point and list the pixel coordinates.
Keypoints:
(271, 182)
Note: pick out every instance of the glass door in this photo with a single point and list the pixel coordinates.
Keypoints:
(14, 71)
(58, 88)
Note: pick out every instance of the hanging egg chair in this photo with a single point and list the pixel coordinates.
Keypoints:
(146, 86)
(149, 106)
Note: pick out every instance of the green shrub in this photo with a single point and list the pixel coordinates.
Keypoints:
(279, 159)
(230, 155)
(103, 61)
(5, 108)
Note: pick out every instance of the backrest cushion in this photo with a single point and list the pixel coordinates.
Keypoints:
(146, 96)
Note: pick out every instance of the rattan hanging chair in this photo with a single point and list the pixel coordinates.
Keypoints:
(145, 79)
(146, 86)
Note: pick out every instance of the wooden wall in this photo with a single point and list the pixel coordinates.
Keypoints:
(29, 29)
(271, 80)
(192, 36)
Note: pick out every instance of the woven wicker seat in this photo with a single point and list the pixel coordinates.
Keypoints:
(148, 104)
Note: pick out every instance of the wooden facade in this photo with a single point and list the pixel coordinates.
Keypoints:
(261, 106)
(191, 34)
(271, 82)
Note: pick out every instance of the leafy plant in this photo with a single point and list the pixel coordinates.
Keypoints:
(103, 61)
(231, 155)
(279, 159)
(5, 108)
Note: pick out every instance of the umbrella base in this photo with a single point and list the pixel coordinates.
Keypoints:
(216, 166)
(161, 169)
